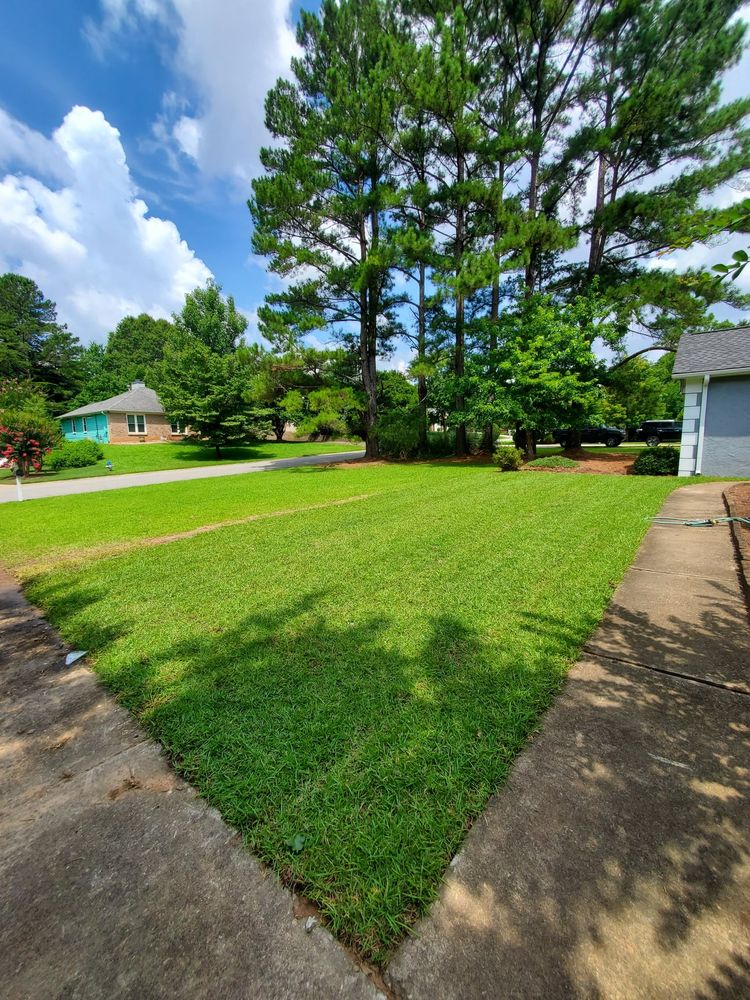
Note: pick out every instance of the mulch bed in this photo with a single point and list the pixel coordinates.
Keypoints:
(739, 506)
(602, 463)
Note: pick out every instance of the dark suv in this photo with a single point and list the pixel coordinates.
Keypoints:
(611, 436)
(653, 432)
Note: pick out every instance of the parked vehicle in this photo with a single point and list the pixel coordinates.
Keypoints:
(611, 436)
(653, 432)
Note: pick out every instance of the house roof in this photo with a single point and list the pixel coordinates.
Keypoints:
(138, 399)
(715, 351)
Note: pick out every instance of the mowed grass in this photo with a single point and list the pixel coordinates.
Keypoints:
(128, 458)
(349, 685)
(69, 527)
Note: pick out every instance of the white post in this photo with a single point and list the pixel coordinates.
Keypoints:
(702, 425)
(19, 488)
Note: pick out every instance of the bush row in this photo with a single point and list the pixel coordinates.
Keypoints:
(74, 455)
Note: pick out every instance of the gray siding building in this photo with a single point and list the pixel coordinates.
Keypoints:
(714, 369)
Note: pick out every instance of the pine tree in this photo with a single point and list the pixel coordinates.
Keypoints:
(320, 209)
(660, 142)
(33, 345)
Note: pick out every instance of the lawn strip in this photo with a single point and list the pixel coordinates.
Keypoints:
(59, 525)
(77, 557)
(157, 457)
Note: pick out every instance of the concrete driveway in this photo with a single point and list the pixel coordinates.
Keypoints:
(67, 487)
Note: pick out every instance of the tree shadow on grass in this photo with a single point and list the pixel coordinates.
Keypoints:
(377, 755)
(354, 763)
(616, 862)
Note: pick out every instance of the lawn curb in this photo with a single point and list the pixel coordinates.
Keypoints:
(740, 535)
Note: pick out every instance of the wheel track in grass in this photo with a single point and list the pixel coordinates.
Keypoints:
(111, 549)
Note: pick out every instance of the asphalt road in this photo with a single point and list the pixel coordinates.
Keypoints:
(69, 487)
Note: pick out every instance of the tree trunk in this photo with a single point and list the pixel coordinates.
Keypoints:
(367, 351)
(488, 436)
(422, 439)
(532, 267)
(279, 426)
(572, 439)
(217, 450)
(525, 440)
(369, 380)
(488, 439)
(598, 233)
(462, 445)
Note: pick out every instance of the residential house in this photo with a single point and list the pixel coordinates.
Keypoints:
(134, 416)
(714, 369)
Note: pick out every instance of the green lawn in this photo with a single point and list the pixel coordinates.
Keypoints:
(184, 455)
(348, 685)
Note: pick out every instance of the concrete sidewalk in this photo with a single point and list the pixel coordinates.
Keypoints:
(68, 487)
(116, 880)
(615, 864)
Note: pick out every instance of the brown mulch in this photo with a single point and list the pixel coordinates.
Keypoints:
(480, 459)
(739, 505)
(601, 463)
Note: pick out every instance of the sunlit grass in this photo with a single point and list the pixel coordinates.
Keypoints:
(349, 685)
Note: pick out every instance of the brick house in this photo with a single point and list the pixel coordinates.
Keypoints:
(132, 417)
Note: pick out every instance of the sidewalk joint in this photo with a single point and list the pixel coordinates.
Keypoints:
(668, 673)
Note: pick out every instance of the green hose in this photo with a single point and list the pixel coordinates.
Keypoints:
(700, 522)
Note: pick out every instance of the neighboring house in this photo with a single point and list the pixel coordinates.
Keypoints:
(133, 416)
(714, 369)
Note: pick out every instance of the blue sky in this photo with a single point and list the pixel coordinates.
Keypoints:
(184, 89)
(129, 134)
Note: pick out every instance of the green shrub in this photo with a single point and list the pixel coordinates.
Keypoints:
(507, 458)
(441, 443)
(553, 462)
(398, 433)
(657, 462)
(74, 455)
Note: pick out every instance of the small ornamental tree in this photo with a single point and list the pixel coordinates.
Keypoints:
(212, 394)
(27, 432)
(543, 373)
(25, 438)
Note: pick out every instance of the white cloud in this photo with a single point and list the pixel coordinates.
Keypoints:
(228, 54)
(88, 242)
(120, 15)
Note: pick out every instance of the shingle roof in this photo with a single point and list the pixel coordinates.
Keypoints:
(715, 351)
(138, 399)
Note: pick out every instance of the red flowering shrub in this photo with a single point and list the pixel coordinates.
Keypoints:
(25, 438)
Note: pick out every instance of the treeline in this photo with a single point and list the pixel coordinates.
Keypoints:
(495, 182)
(208, 377)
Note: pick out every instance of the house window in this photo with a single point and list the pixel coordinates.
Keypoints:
(176, 429)
(136, 423)
(73, 425)
(83, 421)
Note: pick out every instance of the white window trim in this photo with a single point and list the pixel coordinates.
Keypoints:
(136, 432)
(175, 423)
